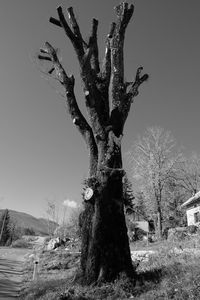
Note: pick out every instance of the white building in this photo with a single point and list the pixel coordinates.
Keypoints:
(192, 206)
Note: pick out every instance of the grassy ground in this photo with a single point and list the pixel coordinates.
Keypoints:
(171, 273)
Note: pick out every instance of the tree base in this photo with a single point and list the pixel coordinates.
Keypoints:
(105, 249)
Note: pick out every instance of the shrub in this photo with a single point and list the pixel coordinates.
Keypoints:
(177, 234)
(139, 234)
(29, 231)
(21, 243)
(191, 229)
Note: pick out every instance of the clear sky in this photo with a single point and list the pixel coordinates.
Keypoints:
(42, 156)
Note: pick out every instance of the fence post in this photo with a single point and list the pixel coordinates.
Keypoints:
(35, 270)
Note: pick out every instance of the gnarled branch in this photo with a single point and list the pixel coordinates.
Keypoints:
(139, 79)
(132, 93)
(71, 103)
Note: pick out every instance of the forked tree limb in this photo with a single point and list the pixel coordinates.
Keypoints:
(75, 35)
(132, 93)
(87, 56)
(139, 79)
(96, 84)
(71, 103)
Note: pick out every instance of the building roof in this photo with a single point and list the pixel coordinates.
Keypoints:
(191, 200)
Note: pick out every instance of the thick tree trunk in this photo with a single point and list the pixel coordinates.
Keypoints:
(105, 244)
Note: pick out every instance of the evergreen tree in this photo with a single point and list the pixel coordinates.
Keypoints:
(5, 228)
(128, 193)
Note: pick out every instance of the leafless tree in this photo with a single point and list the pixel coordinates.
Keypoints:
(52, 214)
(189, 175)
(105, 248)
(154, 160)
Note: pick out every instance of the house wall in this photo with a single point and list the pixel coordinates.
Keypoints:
(190, 215)
(139, 221)
(144, 225)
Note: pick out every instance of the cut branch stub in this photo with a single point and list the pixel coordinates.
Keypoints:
(55, 22)
(60, 72)
(138, 81)
(93, 44)
(74, 23)
(124, 14)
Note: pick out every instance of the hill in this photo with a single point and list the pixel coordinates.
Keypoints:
(24, 220)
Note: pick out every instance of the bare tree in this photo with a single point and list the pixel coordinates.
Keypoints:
(154, 161)
(105, 248)
(188, 175)
(52, 214)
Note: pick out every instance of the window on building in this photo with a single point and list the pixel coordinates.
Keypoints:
(197, 217)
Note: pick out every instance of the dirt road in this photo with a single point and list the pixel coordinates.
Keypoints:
(11, 271)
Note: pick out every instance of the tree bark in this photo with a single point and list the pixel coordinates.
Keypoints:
(105, 247)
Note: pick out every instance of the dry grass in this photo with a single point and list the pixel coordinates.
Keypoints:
(169, 274)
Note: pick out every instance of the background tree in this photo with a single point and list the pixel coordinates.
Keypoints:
(52, 213)
(128, 193)
(154, 162)
(70, 226)
(139, 204)
(189, 175)
(5, 229)
(105, 248)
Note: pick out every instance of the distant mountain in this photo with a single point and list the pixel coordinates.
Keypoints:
(24, 220)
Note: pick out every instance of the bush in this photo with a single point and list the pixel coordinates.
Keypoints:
(20, 243)
(177, 234)
(29, 231)
(139, 234)
(191, 229)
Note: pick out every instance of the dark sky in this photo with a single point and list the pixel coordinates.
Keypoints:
(42, 156)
